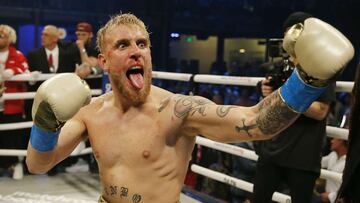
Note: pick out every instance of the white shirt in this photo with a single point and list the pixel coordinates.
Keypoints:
(55, 56)
(333, 163)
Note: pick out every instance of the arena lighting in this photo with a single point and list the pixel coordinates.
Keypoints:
(189, 39)
(242, 51)
(174, 35)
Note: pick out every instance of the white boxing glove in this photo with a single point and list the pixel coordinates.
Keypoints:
(321, 52)
(58, 99)
(320, 49)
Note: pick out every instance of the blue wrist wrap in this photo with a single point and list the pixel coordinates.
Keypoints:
(42, 140)
(297, 94)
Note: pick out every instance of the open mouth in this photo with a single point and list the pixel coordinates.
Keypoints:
(135, 75)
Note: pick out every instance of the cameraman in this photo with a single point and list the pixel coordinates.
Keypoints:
(293, 159)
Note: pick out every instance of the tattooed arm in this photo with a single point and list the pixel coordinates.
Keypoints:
(233, 123)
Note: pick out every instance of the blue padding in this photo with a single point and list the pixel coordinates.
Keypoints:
(298, 95)
(106, 85)
(42, 140)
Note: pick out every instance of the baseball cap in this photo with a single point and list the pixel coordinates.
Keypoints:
(84, 26)
(294, 18)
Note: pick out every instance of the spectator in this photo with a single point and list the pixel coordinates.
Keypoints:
(50, 58)
(335, 161)
(293, 157)
(85, 51)
(12, 62)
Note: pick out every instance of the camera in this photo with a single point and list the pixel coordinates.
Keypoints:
(277, 71)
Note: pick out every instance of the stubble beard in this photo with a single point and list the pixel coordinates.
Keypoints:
(135, 97)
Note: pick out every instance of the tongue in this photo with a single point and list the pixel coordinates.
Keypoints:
(137, 80)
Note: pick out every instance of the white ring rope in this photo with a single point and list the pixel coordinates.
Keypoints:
(249, 154)
(336, 132)
(227, 80)
(341, 86)
(15, 126)
(29, 77)
(20, 152)
(278, 197)
(31, 95)
(40, 77)
(331, 131)
(171, 76)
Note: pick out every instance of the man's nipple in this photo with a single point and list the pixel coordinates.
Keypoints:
(146, 154)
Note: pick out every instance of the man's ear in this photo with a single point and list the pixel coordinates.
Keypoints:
(103, 62)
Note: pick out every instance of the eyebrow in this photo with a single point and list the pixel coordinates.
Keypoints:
(120, 41)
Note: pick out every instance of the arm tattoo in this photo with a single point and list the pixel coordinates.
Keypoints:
(186, 105)
(222, 111)
(245, 127)
(274, 114)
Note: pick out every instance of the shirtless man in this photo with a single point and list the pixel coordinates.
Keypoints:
(142, 136)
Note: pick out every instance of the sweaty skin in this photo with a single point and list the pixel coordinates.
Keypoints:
(142, 136)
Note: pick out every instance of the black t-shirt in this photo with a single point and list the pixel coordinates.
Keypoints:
(300, 145)
(90, 48)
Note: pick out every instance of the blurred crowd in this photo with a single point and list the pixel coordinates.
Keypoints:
(54, 56)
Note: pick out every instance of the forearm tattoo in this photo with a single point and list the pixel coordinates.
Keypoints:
(274, 114)
(188, 105)
(122, 192)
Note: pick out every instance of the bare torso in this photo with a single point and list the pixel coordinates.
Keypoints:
(142, 155)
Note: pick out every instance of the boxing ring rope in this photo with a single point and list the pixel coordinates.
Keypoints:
(22, 153)
(15, 126)
(278, 197)
(341, 86)
(249, 154)
(172, 76)
(31, 95)
(340, 133)
(199, 78)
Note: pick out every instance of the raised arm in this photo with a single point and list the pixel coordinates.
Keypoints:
(233, 123)
(55, 102)
(322, 52)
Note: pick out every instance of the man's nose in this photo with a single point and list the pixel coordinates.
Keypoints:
(135, 52)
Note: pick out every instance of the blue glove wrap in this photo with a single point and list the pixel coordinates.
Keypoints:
(42, 140)
(297, 94)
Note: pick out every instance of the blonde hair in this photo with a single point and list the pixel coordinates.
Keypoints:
(119, 19)
(11, 32)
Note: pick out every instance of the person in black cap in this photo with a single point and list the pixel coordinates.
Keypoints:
(85, 51)
(293, 159)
